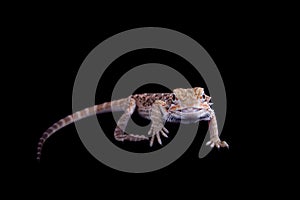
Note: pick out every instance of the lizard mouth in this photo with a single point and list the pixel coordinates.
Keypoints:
(193, 112)
(189, 110)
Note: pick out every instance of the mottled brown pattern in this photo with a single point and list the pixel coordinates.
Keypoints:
(174, 107)
(49, 130)
(106, 105)
(75, 116)
(198, 92)
(147, 99)
(68, 119)
(118, 134)
(157, 107)
(103, 107)
(99, 108)
(60, 123)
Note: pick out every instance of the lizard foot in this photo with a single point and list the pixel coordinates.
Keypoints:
(155, 132)
(121, 136)
(218, 143)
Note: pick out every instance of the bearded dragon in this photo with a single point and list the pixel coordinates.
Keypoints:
(181, 106)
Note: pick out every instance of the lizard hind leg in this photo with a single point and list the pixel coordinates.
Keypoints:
(119, 133)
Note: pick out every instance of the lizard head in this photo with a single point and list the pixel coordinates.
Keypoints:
(191, 105)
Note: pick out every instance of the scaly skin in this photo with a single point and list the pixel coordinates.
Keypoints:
(182, 106)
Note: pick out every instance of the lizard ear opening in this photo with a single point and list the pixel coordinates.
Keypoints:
(174, 97)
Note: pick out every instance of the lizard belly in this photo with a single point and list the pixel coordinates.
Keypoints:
(144, 112)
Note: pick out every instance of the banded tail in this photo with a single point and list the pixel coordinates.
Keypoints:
(93, 110)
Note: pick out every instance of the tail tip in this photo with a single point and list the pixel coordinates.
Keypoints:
(38, 156)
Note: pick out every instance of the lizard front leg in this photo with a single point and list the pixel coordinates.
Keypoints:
(214, 135)
(122, 123)
(158, 117)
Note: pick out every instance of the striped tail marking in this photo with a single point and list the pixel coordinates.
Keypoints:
(97, 109)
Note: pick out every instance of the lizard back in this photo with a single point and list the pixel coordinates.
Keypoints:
(145, 101)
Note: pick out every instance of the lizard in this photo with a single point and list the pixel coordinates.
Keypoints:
(184, 106)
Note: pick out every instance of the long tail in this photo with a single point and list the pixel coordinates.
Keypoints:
(93, 110)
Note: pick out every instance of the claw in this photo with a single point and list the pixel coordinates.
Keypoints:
(224, 144)
(158, 139)
(217, 144)
(150, 131)
(165, 130)
(151, 141)
(165, 135)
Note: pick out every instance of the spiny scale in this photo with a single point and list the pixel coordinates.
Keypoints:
(157, 107)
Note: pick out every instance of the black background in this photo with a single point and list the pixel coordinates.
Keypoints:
(51, 52)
